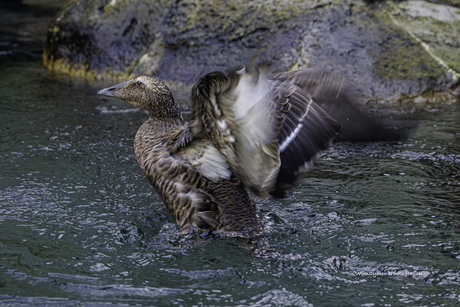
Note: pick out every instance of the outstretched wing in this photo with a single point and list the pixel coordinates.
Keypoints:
(307, 130)
(261, 123)
(337, 97)
(233, 109)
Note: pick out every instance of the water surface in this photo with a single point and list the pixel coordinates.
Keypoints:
(371, 224)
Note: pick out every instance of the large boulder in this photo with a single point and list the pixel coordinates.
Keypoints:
(390, 50)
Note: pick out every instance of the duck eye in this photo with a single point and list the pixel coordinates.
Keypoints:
(139, 82)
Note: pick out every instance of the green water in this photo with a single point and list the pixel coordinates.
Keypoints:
(371, 224)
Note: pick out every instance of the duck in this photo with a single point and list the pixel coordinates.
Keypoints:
(250, 134)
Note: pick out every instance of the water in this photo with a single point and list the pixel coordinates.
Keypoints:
(371, 224)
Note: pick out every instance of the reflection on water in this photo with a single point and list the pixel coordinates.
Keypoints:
(373, 223)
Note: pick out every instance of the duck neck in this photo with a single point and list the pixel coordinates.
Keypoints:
(165, 109)
(166, 124)
(166, 119)
(173, 118)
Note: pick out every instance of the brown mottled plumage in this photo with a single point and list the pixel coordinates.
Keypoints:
(248, 133)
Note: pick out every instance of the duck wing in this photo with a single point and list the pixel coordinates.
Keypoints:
(307, 129)
(266, 127)
(338, 98)
(234, 110)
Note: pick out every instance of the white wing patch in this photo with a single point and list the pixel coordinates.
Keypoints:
(294, 133)
(212, 164)
(206, 159)
(291, 137)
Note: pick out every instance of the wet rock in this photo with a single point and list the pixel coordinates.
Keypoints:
(389, 50)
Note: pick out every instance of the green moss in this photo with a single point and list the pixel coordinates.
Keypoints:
(401, 56)
(401, 62)
(434, 28)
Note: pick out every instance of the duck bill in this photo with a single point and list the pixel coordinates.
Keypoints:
(111, 91)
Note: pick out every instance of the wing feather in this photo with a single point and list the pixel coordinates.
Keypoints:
(233, 110)
(202, 156)
(338, 98)
(261, 123)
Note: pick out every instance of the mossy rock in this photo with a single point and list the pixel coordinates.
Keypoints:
(99, 39)
(378, 45)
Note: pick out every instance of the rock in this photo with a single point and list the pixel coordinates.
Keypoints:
(97, 39)
(391, 51)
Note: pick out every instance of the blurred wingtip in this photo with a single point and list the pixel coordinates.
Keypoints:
(369, 129)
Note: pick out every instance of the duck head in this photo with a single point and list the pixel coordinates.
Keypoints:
(148, 93)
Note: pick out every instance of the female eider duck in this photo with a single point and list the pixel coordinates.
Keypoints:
(249, 133)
